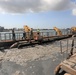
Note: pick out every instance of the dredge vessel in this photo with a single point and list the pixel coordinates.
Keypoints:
(29, 37)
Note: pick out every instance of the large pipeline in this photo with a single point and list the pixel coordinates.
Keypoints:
(40, 41)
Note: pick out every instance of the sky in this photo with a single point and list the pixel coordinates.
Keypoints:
(38, 13)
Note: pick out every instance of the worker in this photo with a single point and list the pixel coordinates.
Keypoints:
(38, 31)
(24, 35)
(38, 34)
(13, 34)
(31, 33)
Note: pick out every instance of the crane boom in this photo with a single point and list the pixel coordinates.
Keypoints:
(73, 29)
(58, 31)
(27, 29)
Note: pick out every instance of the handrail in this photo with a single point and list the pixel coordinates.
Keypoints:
(19, 35)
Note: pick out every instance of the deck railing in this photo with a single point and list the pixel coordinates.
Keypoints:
(8, 36)
(19, 35)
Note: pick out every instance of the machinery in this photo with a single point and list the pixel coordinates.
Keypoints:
(58, 31)
(30, 34)
(73, 30)
(27, 29)
(68, 66)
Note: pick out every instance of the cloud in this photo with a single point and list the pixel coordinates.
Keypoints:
(23, 6)
(74, 11)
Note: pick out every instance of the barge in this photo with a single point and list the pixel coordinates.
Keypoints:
(29, 37)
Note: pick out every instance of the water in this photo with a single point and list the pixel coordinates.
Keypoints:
(8, 35)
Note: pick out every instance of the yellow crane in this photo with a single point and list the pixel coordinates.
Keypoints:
(34, 35)
(27, 29)
(59, 33)
(73, 30)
